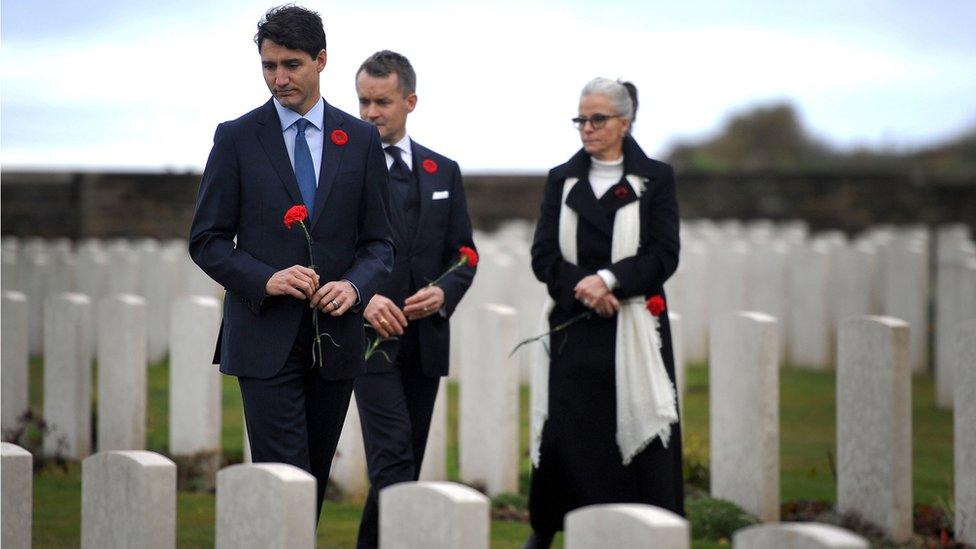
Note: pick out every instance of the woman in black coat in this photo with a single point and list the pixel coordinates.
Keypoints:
(605, 407)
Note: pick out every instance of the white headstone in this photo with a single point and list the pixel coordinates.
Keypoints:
(265, 506)
(194, 382)
(433, 515)
(10, 270)
(626, 525)
(128, 499)
(955, 303)
(121, 373)
(123, 272)
(797, 535)
(349, 464)
(67, 375)
(489, 408)
(677, 348)
(196, 282)
(854, 272)
(530, 300)
(160, 283)
(35, 286)
(728, 287)
(964, 433)
(693, 300)
(808, 341)
(906, 293)
(744, 414)
(768, 281)
(434, 466)
(93, 271)
(874, 423)
(14, 368)
(17, 500)
(63, 271)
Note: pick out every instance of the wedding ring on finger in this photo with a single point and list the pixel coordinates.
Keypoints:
(383, 321)
(335, 305)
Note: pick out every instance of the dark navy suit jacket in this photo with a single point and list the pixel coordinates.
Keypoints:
(247, 186)
(443, 227)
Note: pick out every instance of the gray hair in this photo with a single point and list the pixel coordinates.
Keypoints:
(622, 95)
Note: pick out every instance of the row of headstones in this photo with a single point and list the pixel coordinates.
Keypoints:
(813, 284)
(744, 418)
(874, 420)
(194, 383)
(157, 271)
(725, 266)
(122, 321)
(129, 500)
(807, 282)
(747, 431)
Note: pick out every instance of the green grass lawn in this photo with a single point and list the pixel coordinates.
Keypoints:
(806, 440)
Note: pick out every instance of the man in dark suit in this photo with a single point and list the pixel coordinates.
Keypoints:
(430, 219)
(296, 149)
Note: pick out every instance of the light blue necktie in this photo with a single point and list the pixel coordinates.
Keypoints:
(304, 169)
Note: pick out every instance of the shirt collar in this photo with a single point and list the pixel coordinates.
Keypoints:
(288, 117)
(403, 144)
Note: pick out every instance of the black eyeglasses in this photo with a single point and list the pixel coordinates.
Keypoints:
(597, 120)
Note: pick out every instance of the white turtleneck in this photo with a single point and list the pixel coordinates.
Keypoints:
(604, 175)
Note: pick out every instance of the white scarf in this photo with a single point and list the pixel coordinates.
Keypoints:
(645, 395)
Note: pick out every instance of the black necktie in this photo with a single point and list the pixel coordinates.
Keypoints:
(405, 193)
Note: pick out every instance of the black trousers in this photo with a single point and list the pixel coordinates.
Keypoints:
(395, 408)
(295, 417)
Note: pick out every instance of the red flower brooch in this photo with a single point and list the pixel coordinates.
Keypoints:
(339, 137)
(295, 214)
(429, 166)
(621, 192)
(655, 304)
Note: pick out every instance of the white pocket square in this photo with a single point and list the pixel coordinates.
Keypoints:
(440, 195)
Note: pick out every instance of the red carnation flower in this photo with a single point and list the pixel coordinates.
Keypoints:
(429, 166)
(295, 214)
(621, 192)
(655, 304)
(339, 137)
(469, 255)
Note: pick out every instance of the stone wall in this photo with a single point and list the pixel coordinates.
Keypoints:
(79, 205)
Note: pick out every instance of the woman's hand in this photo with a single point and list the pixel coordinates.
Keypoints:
(607, 306)
(590, 289)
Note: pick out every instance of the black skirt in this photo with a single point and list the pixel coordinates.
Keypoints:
(580, 462)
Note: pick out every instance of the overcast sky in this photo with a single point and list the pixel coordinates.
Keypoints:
(140, 84)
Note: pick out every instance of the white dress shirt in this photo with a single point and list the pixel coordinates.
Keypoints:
(313, 132)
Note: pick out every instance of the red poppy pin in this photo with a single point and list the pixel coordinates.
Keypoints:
(429, 166)
(339, 137)
(621, 192)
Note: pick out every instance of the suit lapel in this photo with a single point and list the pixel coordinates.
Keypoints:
(331, 159)
(582, 200)
(273, 143)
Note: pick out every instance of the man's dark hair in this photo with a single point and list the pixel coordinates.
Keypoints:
(293, 27)
(384, 63)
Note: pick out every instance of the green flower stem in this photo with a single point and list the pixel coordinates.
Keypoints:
(317, 356)
(460, 262)
(563, 326)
